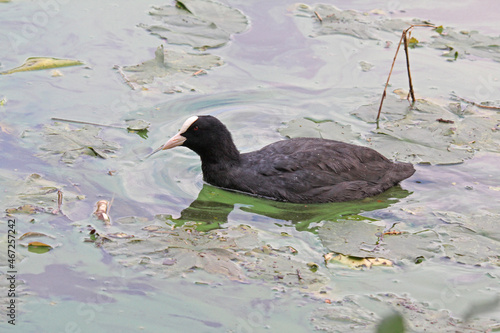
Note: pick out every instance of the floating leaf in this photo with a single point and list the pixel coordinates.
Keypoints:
(34, 194)
(365, 240)
(465, 239)
(174, 66)
(460, 44)
(416, 135)
(349, 22)
(235, 253)
(39, 244)
(60, 139)
(304, 127)
(34, 234)
(25, 209)
(39, 247)
(413, 42)
(137, 125)
(199, 23)
(471, 239)
(350, 238)
(38, 63)
(369, 27)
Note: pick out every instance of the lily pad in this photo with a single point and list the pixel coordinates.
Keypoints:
(199, 23)
(461, 44)
(38, 63)
(329, 20)
(366, 240)
(137, 125)
(39, 247)
(453, 240)
(482, 224)
(351, 238)
(306, 127)
(423, 136)
(430, 133)
(470, 239)
(468, 247)
(61, 139)
(174, 67)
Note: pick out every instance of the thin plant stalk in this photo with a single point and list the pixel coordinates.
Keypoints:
(402, 40)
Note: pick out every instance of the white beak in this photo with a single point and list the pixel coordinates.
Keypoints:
(174, 141)
(177, 139)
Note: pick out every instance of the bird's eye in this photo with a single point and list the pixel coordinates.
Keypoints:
(195, 128)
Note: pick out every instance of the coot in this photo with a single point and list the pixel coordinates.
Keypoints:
(300, 170)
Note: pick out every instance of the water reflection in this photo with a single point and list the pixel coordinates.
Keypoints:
(213, 206)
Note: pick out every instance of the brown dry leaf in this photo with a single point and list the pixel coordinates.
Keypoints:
(39, 244)
(102, 211)
(34, 234)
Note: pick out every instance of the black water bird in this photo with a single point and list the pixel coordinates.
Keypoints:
(299, 170)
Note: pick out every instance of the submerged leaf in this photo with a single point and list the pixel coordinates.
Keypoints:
(416, 135)
(35, 195)
(60, 139)
(393, 323)
(235, 253)
(199, 23)
(362, 314)
(38, 63)
(174, 66)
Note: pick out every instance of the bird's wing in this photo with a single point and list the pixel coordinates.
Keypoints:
(316, 162)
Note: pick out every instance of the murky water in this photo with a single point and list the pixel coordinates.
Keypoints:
(273, 73)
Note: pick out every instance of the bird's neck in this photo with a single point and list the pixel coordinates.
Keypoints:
(215, 164)
(223, 153)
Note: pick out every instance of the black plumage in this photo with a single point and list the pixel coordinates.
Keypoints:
(300, 170)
